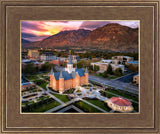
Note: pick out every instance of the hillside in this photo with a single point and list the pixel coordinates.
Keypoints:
(112, 36)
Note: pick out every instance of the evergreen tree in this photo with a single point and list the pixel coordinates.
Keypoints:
(109, 69)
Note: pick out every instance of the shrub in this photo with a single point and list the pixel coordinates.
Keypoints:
(118, 72)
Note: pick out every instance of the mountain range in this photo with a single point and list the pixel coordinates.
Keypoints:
(112, 36)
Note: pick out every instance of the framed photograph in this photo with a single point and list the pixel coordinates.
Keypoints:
(80, 67)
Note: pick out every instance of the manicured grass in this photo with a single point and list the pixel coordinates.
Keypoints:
(43, 85)
(136, 106)
(46, 107)
(108, 77)
(28, 102)
(43, 98)
(41, 106)
(87, 85)
(78, 91)
(100, 104)
(69, 91)
(61, 97)
(86, 107)
(31, 77)
(122, 93)
(106, 94)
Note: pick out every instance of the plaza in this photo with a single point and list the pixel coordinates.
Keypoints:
(82, 99)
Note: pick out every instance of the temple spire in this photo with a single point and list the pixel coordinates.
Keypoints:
(52, 72)
(70, 59)
(86, 70)
(61, 76)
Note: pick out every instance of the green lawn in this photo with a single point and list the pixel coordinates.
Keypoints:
(41, 106)
(121, 93)
(61, 97)
(69, 91)
(106, 94)
(86, 107)
(136, 106)
(108, 77)
(46, 107)
(43, 85)
(31, 77)
(100, 104)
(28, 102)
(43, 98)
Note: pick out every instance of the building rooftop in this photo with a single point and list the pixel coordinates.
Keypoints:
(137, 75)
(133, 62)
(26, 83)
(108, 61)
(120, 101)
(67, 76)
(127, 57)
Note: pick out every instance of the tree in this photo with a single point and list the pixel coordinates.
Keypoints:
(132, 68)
(91, 67)
(45, 67)
(96, 68)
(118, 72)
(109, 69)
(29, 69)
(105, 74)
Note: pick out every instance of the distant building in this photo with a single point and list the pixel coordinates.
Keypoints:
(33, 54)
(75, 58)
(136, 79)
(134, 63)
(103, 65)
(120, 104)
(47, 56)
(115, 66)
(122, 59)
(57, 62)
(79, 52)
(68, 78)
(107, 61)
(26, 85)
(103, 68)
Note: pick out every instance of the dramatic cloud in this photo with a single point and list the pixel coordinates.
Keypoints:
(27, 35)
(38, 30)
(91, 25)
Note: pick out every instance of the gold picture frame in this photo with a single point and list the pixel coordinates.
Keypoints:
(13, 11)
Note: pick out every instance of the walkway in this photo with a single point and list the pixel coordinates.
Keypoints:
(94, 106)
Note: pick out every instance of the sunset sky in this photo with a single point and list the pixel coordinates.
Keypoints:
(38, 30)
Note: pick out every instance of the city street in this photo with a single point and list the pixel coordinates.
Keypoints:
(115, 83)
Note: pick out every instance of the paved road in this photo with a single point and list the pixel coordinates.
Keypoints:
(69, 107)
(127, 78)
(115, 84)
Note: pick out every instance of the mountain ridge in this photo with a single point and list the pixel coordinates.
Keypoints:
(112, 36)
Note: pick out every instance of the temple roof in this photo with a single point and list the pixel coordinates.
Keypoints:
(120, 101)
(67, 76)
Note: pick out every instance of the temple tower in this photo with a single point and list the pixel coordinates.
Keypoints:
(61, 83)
(86, 76)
